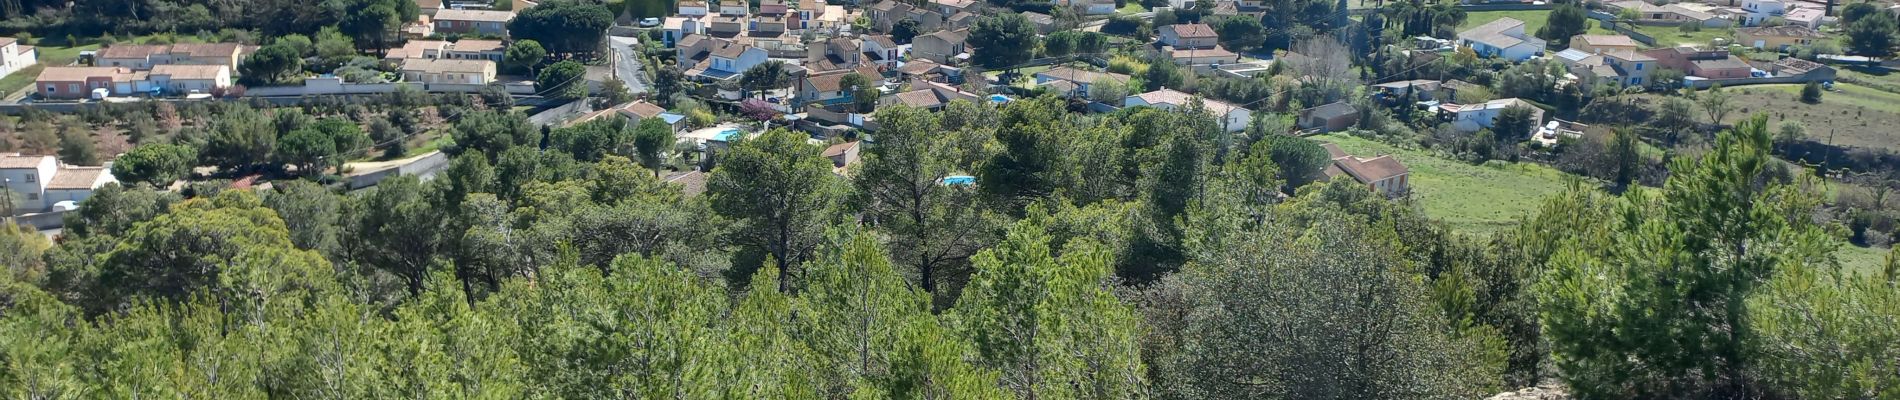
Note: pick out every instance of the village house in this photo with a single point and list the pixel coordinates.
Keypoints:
(726, 26)
(828, 88)
(1230, 117)
(482, 22)
(1420, 89)
(1079, 82)
(950, 7)
(768, 26)
(734, 8)
(1504, 38)
(1620, 68)
(141, 57)
(1333, 117)
(1468, 118)
(634, 112)
(817, 14)
(1709, 64)
(1673, 13)
(1384, 174)
(1812, 71)
(1777, 38)
(181, 79)
(472, 72)
(693, 8)
(943, 47)
(839, 53)
(772, 7)
(880, 50)
(15, 56)
(842, 156)
(466, 49)
(38, 183)
(1810, 18)
(79, 82)
(931, 96)
(961, 20)
(1597, 44)
(716, 59)
(1188, 36)
(1760, 11)
(919, 69)
(888, 13)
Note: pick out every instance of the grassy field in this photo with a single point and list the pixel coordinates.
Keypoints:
(1130, 8)
(1668, 36)
(1475, 199)
(1856, 115)
(1533, 20)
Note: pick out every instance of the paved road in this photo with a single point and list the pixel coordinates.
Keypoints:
(626, 54)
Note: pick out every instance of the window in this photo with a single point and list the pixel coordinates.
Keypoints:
(30, 178)
(1636, 81)
(52, 88)
(32, 197)
(72, 87)
(1639, 66)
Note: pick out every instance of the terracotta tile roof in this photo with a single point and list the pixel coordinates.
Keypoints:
(16, 161)
(952, 37)
(191, 72)
(881, 40)
(642, 109)
(206, 49)
(1080, 76)
(415, 49)
(1192, 30)
(1179, 99)
(1363, 170)
(729, 50)
(77, 74)
(429, 4)
(917, 67)
(1492, 33)
(130, 51)
(1606, 40)
(472, 45)
(921, 98)
(76, 178)
(827, 82)
(7, 40)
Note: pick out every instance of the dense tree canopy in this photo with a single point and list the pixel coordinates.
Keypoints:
(563, 26)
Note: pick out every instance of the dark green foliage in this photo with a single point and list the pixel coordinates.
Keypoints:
(1299, 161)
(563, 26)
(522, 57)
(781, 190)
(1239, 33)
(565, 80)
(155, 164)
(1002, 42)
(1563, 22)
(273, 64)
(1872, 36)
(1811, 93)
(76, 148)
(492, 132)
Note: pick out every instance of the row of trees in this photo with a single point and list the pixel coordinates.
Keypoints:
(1142, 253)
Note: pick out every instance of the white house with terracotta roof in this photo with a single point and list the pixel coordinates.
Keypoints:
(39, 182)
(144, 56)
(15, 56)
(175, 78)
(1504, 38)
(1603, 43)
(1079, 80)
(26, 177)
(438, 70)
(716, 59)
(79, 82)
(1188, 36)
(1231, 117)
(1478, 116)
(1384, 174)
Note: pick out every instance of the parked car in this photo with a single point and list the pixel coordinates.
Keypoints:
(649, 22)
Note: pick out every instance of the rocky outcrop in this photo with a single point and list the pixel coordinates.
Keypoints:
(1540, 392)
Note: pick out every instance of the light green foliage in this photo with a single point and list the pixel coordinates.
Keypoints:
(934, 226)
(565, 80)
(1827, 335)
(1660, 307)
(1049, 325)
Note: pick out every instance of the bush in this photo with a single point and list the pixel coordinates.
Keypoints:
(1811, 93)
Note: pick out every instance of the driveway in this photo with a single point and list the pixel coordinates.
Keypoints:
(626, 54)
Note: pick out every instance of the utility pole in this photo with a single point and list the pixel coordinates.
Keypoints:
(6, 192)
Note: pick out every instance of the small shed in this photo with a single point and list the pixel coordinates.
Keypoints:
(1329, 118)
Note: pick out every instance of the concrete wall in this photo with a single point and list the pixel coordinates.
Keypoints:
(426, 166)
(1729, 83)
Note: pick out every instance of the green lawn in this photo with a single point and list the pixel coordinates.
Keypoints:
(1670, 36)
(1533, 20)
(1130, 8)
(1475, 199)
(57, 53)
